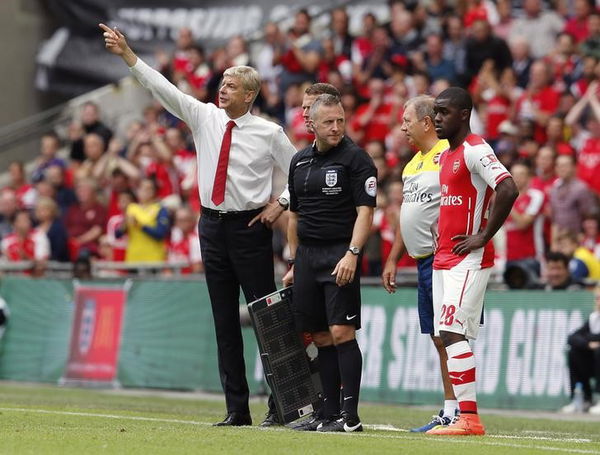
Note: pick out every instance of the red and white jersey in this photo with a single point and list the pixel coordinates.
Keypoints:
(526, 243)
(468, 176)
(184, 248)
(34, 247)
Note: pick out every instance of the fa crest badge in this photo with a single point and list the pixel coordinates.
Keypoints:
(331, 178)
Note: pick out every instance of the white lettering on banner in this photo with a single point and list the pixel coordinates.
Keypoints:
(370, 338)
(421, 358)
(536, 363)
(488, 352)
(216, 23)
(396, 365)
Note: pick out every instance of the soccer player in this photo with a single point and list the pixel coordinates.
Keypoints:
(420, 210)
(469, 173)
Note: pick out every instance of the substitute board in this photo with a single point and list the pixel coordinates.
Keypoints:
(294, 384)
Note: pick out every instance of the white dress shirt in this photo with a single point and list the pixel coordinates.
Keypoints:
(256, 145)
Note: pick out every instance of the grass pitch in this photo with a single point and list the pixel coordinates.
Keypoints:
(51, 420)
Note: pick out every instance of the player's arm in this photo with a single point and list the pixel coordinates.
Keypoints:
(174, 100)
(389, 270)
(506, 194)
(345, 269)
(292, 238)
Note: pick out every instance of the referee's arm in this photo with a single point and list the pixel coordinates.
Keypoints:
(346, 268)
(292, 238)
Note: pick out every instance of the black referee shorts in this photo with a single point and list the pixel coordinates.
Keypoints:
(318, 301)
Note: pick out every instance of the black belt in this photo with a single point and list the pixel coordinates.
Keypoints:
(228, 215)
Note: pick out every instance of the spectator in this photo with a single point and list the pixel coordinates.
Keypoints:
(555, 136)
(90, 120)
(539, 101)
(455, 46)
(25, 243)
(558, 277)
(588, 166)
(483, 46)
(49, 146)
(577, 26)
(93, 149)
(582, 264)
(363, 45)
(538, 27)
(272, 38)
(584, 359)
(184, 244)
(85, 220)
(24, 191)
(570, 198)
(301, 55)
(147, 226)
(591, 234)
(9, 205)
(522, 61)
(543, 180)
(437, 66)
(591, 46)
(524, 241)
(49, 223)
(64, 196)
(116, 237)
(193, 78)
(340, 33)
(505, 19)
(404, 35)
(372, 120)
(104, 167)
(75, 137)
(376, 62)
(563, 61)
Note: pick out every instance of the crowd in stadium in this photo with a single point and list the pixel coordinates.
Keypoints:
(533, 70)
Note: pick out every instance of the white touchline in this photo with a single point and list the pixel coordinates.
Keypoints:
(477, 441)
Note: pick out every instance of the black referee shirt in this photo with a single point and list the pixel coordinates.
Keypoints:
(325, 189)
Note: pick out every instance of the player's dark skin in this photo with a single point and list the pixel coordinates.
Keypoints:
(452, 123)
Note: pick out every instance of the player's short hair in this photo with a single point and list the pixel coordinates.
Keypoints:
(248, 76)
(322, 88)
(323, 100)
(458, 97)
(423, 105)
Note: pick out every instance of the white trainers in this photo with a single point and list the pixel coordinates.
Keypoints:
(571, 408)
(595, 409)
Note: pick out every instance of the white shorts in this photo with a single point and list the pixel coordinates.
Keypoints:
(458, 300)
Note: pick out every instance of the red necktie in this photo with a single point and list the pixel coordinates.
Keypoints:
(218, 194)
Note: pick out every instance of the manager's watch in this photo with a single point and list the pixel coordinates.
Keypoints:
(284, 202)
(354, 250)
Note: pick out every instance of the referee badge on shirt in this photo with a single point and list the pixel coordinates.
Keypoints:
(331, 178)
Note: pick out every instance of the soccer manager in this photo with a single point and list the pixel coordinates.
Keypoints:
(332, 186)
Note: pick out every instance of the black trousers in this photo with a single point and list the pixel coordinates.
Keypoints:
(584, 364)
(234, 255)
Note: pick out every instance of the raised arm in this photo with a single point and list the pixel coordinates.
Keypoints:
(175, 101)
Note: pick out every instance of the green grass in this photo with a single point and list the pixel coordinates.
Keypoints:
(51, 420)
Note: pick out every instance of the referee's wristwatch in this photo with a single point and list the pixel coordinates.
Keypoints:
(354, 250)
(284, 202)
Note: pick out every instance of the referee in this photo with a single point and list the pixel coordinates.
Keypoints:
(237, 153)
(332, 186)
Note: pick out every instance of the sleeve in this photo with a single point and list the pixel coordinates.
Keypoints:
(363, 175)
(175, 101)
(282, 149)
(580, 338)
(536, 202)
(161, 229)
(481, 159)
